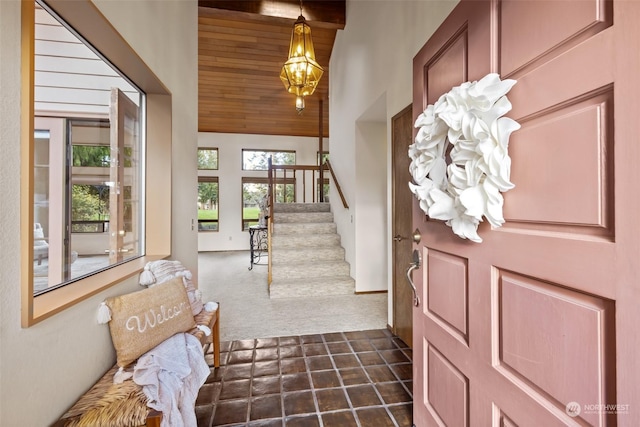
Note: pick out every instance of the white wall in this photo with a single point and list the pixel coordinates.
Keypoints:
(372, 60)
(45, 368)
(165, 35)
(230, 236)
(371, 212)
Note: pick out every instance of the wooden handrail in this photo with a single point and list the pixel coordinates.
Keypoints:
(335, 180)
(273, 180)
(295, 167)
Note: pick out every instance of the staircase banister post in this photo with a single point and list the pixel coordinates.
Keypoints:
(270, 194)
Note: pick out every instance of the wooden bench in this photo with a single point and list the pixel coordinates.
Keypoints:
(125, 405)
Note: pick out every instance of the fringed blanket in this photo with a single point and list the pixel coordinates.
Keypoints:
(170, 376)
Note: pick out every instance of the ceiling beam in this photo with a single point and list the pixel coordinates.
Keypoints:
(320, 13)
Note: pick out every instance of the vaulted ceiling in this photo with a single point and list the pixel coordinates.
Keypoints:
(242, 46)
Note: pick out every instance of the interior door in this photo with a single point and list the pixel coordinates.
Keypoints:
(537, 325)
(401, 137)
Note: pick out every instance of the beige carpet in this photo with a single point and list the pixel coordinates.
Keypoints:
(247, 311)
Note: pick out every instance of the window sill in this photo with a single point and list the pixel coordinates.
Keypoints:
(50, 303)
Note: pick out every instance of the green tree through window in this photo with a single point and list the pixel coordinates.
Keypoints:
(207, 158)
(208, 203)
(259, 159)
(91, 155)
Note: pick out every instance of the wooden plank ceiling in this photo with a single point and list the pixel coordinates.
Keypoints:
(242, 46)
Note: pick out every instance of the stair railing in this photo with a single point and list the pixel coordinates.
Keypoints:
(337, 183)
(269, 235)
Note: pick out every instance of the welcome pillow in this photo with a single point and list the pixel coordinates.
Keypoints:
(142, 320)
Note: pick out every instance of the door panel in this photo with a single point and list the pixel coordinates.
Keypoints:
(446, 292)
(448, 68)
(527, 344)
(541, 150)
(542, 32)
(512, 331)
(450, 408)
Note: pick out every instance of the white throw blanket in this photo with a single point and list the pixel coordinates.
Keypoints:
(171, 375)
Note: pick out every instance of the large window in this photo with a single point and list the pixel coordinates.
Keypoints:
(257, 160)
(208, 203)
(254, 193)
(87, 170)
(83, 149)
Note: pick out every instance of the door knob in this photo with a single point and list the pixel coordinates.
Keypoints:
(415, 237)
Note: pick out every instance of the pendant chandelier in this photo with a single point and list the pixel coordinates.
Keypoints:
(301, 73)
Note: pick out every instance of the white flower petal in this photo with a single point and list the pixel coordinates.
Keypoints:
(494, 212)
(424, 205)
(438, 172)
(426, 118)
(492, 87)
(443, 206)
(457, 176)
(503, 129)
(421, 191)
(466, 228)
(474, 200)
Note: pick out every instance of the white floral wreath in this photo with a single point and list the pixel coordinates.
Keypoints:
(465, 125)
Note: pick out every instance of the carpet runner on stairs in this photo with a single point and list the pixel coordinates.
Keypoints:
(306, 258)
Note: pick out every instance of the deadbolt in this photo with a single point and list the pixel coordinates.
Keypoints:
(415, 237)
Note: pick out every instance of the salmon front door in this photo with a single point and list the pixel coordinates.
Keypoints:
(538, 324)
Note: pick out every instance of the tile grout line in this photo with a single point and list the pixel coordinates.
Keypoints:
(281, 383)
(393, 419)
(342, 387)
(308, 355)
(252, 372)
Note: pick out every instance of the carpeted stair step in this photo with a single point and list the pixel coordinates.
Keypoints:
(305, 240)
(309, 270)
(301, 207)
(312, 286)
(306, 256)
(293, 256)
(303, 217)
(306, 228)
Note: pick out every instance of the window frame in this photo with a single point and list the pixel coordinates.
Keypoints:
(265, 181)
(320, 155)
(217, 158)
(271, 150)
(215, 179)
(86, 19)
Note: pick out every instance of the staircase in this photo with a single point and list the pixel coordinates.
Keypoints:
(306, 256)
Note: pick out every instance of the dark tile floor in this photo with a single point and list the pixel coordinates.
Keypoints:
(340, 379)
